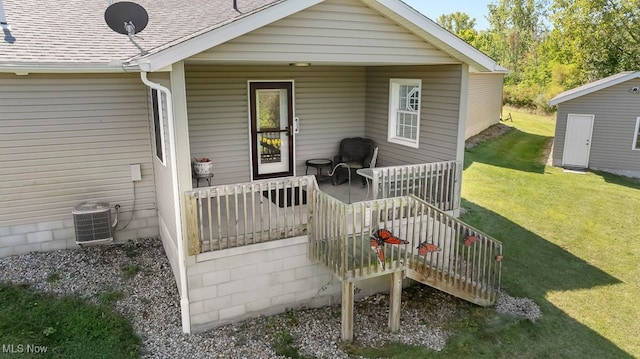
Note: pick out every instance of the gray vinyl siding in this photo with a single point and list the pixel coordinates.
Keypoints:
(335, 31)
(438, 119)
(616, 110)
(484, 102)
(330, 102)
(65, 139)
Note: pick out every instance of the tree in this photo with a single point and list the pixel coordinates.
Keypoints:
(461, 25)
(517, 29)
(457, 22)
(603, 36)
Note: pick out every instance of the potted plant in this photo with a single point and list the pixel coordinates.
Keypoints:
(202, 166)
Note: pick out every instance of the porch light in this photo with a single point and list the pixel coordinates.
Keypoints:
(300, 64)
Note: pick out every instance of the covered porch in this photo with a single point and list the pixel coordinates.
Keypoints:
(250, 236)
(259, 99)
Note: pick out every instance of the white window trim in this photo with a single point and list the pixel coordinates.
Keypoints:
(160, 111)
(635, 136)
(393, 105)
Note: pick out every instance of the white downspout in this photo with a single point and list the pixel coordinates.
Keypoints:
(182, 264)
(3, 18)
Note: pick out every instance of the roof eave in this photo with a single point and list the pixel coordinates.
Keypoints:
(572, 94)
(24, 68)
(422, 26)
(437, 35)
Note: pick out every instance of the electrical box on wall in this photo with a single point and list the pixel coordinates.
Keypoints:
(135, 172)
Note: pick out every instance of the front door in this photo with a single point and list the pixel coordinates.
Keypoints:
(271, 129)
(577, 141)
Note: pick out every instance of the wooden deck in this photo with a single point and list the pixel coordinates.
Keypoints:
(455, 258)
(455, 275)
(442, 251)
(466, 263)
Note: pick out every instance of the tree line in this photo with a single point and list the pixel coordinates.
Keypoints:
(551, 46)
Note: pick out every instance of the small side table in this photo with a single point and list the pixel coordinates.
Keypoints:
(319, 164)
(206, 177)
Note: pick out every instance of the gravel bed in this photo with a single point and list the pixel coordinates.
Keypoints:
(140, 271)
(520, 307)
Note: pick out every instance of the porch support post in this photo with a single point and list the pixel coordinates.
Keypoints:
(462, 112)
(395, 300)
(183, 152)
(462, 130)
(182, 171)
(347, 311)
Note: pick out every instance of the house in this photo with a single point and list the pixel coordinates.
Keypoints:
(598, 125)
(484, 106)
(259, 87)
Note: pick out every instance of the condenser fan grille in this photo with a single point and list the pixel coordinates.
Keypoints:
(92, 222)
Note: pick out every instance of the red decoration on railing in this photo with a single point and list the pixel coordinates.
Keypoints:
(425, 247)
(379, 238)
(469, 240)
(383, 235)
(377, 248)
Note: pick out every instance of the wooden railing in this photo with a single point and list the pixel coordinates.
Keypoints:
(340, 233)
(441, 251)
(236, 215)
(437, 183)
(468, 263)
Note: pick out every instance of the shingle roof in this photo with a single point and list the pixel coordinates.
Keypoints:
(71, 35)
(594, 86)
(74, 31)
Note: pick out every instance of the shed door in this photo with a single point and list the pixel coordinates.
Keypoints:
(577, 141)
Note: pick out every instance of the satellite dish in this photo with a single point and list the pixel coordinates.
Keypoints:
(126, 18)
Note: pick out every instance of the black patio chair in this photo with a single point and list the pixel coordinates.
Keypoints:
(356, 153)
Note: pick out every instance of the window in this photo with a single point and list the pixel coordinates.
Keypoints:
(158, 124)
(636, 135)
(404, 111)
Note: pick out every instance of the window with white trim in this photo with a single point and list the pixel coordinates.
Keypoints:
(636, 135)
(404, 111)
(158, 124)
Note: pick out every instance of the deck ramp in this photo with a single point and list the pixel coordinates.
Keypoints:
(441, 251)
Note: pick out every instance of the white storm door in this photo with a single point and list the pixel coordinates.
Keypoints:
(577, 140)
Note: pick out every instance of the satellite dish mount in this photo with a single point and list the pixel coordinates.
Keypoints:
(127, 18)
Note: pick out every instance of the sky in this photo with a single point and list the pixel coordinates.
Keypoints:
(434, 8)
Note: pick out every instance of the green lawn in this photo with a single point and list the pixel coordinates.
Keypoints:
(37, 325)
(569, 242)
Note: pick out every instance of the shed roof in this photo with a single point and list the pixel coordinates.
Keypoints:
(594, 86)
(72, 36)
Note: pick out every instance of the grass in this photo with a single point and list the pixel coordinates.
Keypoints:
(285, 346)
(130, 271)
(569, 244)
(109, 297)
(53, 277)
(61, 327)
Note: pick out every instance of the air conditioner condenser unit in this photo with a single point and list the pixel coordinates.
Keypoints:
(92, 222)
